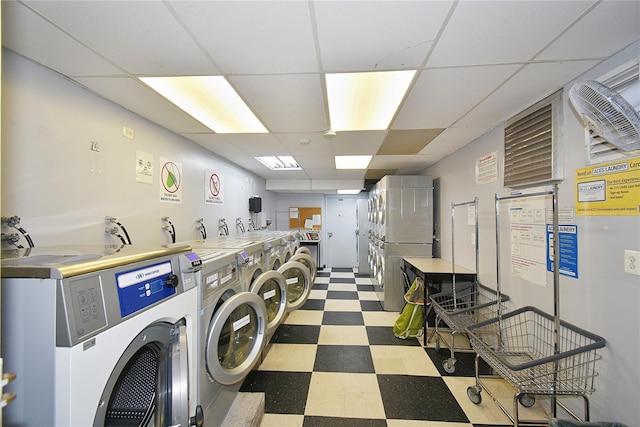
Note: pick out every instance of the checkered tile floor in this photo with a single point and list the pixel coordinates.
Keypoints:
(337, 363)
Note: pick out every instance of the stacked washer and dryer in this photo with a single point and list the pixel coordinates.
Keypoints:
(401, 215)
(101, 335)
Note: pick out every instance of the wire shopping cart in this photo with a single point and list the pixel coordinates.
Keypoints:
(460, 308)
(519, 346)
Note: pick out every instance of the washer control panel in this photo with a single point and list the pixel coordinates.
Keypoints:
(145, 286)
(88, 305)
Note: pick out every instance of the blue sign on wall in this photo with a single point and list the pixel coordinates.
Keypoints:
(568, 236)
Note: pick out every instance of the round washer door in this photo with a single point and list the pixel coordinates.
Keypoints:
(235, 338)
(149, 384)
(298, 282)
(272, 288)
(309, 263)
(303, 250)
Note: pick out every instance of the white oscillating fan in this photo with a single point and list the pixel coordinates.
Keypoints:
(607, 113)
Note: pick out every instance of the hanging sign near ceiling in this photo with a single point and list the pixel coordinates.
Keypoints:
(170, 181)
(609, 189)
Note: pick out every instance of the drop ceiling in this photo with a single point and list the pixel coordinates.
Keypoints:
(478, 62)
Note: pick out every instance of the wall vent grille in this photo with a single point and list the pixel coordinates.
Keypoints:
(531, 154)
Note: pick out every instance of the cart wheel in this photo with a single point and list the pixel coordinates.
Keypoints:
(527, 400)
(449, 366)
(474, 395)
(437, 346)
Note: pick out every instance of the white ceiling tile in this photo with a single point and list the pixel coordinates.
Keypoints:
(451, 140)
(530, 85)
(317, 146)
(142, 37)
(590, 38)
(351, 173)
(381, 35)
(285, 103)
(442, 96)
(257, 144)
(357, 143)
(135, 96)
(316, 162)
(218, 145)
(249, 37)
(29, 34)
(497, 32)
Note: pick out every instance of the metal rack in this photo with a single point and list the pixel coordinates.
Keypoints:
(462, 307)
(535, 352)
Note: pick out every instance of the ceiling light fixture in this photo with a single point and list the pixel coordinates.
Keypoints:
(352, 162)
(354, 191)
(209, 99)
(365, 101)
(279, 163)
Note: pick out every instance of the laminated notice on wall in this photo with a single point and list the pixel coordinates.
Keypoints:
(609, 189)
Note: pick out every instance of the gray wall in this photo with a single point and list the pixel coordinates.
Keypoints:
(62, 190)
(604, 299)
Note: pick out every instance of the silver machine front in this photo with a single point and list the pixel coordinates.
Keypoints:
(101, 336)
(400, 210)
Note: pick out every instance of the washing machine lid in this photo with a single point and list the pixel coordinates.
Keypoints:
(58, 262)
(271, 286)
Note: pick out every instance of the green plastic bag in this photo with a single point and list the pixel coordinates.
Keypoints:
(409, 324)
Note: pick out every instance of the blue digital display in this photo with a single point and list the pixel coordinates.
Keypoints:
(142, 287)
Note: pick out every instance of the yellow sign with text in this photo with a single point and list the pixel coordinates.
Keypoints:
(609, 189)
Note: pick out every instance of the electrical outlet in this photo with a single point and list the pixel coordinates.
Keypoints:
(632, 262)
(95, 146)
(128, 132)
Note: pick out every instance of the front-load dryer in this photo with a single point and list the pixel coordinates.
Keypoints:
(101, 336)
(232, 329)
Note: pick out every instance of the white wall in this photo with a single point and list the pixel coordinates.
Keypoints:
(62, 190)
(604, 299)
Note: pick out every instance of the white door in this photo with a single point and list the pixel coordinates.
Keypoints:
(341, 224)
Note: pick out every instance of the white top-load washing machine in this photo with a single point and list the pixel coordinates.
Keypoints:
(232, 327)
(101, 335)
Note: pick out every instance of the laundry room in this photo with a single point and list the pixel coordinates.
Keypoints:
(284, 275)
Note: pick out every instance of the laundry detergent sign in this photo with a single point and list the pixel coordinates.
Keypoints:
(170, 181)
(609, 189)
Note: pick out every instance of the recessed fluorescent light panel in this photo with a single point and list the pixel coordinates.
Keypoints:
(352, 162)
(279, 163)
(365, 101)
(356, 191)
(209, 99)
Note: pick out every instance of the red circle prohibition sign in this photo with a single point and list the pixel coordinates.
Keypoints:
(214, 184)
(170, 177)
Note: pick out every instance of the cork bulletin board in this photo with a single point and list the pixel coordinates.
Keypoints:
(305, 218)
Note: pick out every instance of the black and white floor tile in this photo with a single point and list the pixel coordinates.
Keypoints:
(336, 362)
